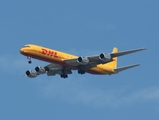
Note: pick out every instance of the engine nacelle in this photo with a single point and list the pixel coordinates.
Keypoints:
(31, 73)
(83, 60)
(105, 57)
(40, 70)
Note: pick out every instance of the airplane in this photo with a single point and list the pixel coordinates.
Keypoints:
(63, 63)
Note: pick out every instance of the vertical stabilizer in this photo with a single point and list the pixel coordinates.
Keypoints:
(113, 64)
(115, 59)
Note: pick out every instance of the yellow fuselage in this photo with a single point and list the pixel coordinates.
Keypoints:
(57, 57)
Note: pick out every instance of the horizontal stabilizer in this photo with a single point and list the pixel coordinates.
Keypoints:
(117, 54)
(125, 68)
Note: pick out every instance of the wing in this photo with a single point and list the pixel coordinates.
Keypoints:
(87, 61)
(126, 52)
(103, 58)
(50, 70)
(53, 69)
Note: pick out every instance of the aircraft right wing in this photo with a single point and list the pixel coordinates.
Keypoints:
(126, 52)
(103, 58)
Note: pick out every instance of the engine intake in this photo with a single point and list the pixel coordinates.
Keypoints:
(105, 57)
(40, 70)
(31, 73)
(83, 60)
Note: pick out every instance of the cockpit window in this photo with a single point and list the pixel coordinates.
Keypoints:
(26, 46)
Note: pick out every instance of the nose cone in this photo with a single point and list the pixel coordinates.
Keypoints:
(22, 51)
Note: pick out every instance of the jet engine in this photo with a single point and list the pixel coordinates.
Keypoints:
(105, 57)
(83, 60)
(31, 73)
(40, 70)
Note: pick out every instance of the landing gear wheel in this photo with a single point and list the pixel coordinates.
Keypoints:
(81, 72)
(29, 62)
(64, 76)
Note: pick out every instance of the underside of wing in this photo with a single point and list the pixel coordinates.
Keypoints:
(51, 70)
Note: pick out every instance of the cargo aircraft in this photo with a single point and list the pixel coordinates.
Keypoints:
(63, 63)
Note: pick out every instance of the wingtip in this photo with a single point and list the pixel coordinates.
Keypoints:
(144, 48)
(140, 49)
(137, 65)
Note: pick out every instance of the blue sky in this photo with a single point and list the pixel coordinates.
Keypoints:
(81, 28)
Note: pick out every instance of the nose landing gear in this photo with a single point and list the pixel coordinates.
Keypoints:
(29, 62)
(29, 58)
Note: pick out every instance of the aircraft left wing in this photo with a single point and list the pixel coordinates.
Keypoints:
(51, 70)
(103, 58)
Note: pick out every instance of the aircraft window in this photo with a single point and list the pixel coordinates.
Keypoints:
(26, 46)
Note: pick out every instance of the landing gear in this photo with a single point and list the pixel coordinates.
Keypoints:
(29, 58)
(81, 72)
(64, 76)
(29, 61)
